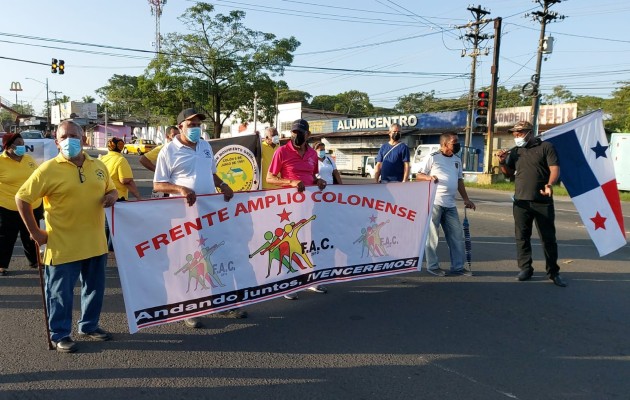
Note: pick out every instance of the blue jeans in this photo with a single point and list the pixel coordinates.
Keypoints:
(60, 280)
(454, 234)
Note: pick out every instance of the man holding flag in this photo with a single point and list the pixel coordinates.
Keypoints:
(534, 164)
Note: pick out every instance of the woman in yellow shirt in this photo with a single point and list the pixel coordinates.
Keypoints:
(15, 168)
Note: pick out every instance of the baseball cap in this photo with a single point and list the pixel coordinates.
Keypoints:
(188, 113)
(300, 125)
(521, 126)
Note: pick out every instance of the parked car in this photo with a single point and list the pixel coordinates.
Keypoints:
(32, 134)
(139, 146)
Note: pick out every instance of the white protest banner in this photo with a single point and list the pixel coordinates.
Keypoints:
(41, 149)
(216, 255)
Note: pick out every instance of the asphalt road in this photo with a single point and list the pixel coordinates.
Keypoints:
(411, 336)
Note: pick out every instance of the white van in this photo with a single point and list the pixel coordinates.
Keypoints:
(419, 157)
(369, 167)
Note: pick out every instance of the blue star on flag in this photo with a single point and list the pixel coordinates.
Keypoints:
(600, 151)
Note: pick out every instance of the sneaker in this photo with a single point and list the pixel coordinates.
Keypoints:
(317, 289)
(291, 296)
(97, 334)
(65, 345)
(464, 271)
(233, 313)
(193, 323)
(436, 272)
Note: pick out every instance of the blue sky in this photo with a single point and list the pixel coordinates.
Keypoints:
(420, 51)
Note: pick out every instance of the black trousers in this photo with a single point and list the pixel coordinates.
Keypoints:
(525, 213)
(10, 225)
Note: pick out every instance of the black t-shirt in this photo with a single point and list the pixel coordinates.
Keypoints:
(531, 166)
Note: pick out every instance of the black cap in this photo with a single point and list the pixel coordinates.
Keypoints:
(188, 113)
(299, 125)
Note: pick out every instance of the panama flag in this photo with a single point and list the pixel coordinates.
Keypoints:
(587, 172)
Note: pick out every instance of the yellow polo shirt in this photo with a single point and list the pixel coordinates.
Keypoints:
(153, 154)
(119, 169)
(267, 155)
(75, 220)
(12, 175)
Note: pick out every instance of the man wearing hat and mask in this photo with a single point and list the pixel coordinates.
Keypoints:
(185, 167)
(295, 164)
(534, 164)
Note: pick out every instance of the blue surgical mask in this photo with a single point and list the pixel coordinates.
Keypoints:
(20, 150)
(322, 153)
(275, 139)
(70, 147)
(193, 134)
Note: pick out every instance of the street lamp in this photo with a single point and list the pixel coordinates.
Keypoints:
(47, 102)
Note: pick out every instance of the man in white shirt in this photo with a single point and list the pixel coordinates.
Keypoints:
(185, 167)
(444, 167)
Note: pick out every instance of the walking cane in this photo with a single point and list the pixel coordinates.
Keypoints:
(41, 285)
(467, 241)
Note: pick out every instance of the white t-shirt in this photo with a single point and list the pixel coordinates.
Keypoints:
(449, 171)
(192, 168)
(326, 169)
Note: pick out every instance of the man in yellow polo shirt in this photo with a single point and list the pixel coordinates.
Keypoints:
(119, 169)
(270, 144)
(75, 188)
(149, 159)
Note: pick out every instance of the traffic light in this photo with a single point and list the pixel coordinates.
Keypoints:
(481, 119)
(62, 67)
(53, 66)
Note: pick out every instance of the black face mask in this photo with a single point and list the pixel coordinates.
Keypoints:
(456, 148)
(299, 139)
(396, 137)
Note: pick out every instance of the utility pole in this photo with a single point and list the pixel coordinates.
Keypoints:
(493, 95)
(543, 17)
(156, 10)
(475, 37)
(255, 110)
(56, 92)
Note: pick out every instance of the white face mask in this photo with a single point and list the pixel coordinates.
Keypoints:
(521, 141)
(275, 139)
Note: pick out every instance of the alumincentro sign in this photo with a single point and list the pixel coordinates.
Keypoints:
(435, 121)
(405, 121)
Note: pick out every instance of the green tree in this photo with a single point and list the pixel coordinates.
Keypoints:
(619, 109)
(421, 102)
(121, 96)
(413, 103)
(559, 94)
(507, 98)
(60, 99)
(586, 104)
(88, 99)
(224, 60)
(354, 103)
(324, 102)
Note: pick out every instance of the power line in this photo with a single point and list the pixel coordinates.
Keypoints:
(367, 45)
(574, 35)
(310, 14)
